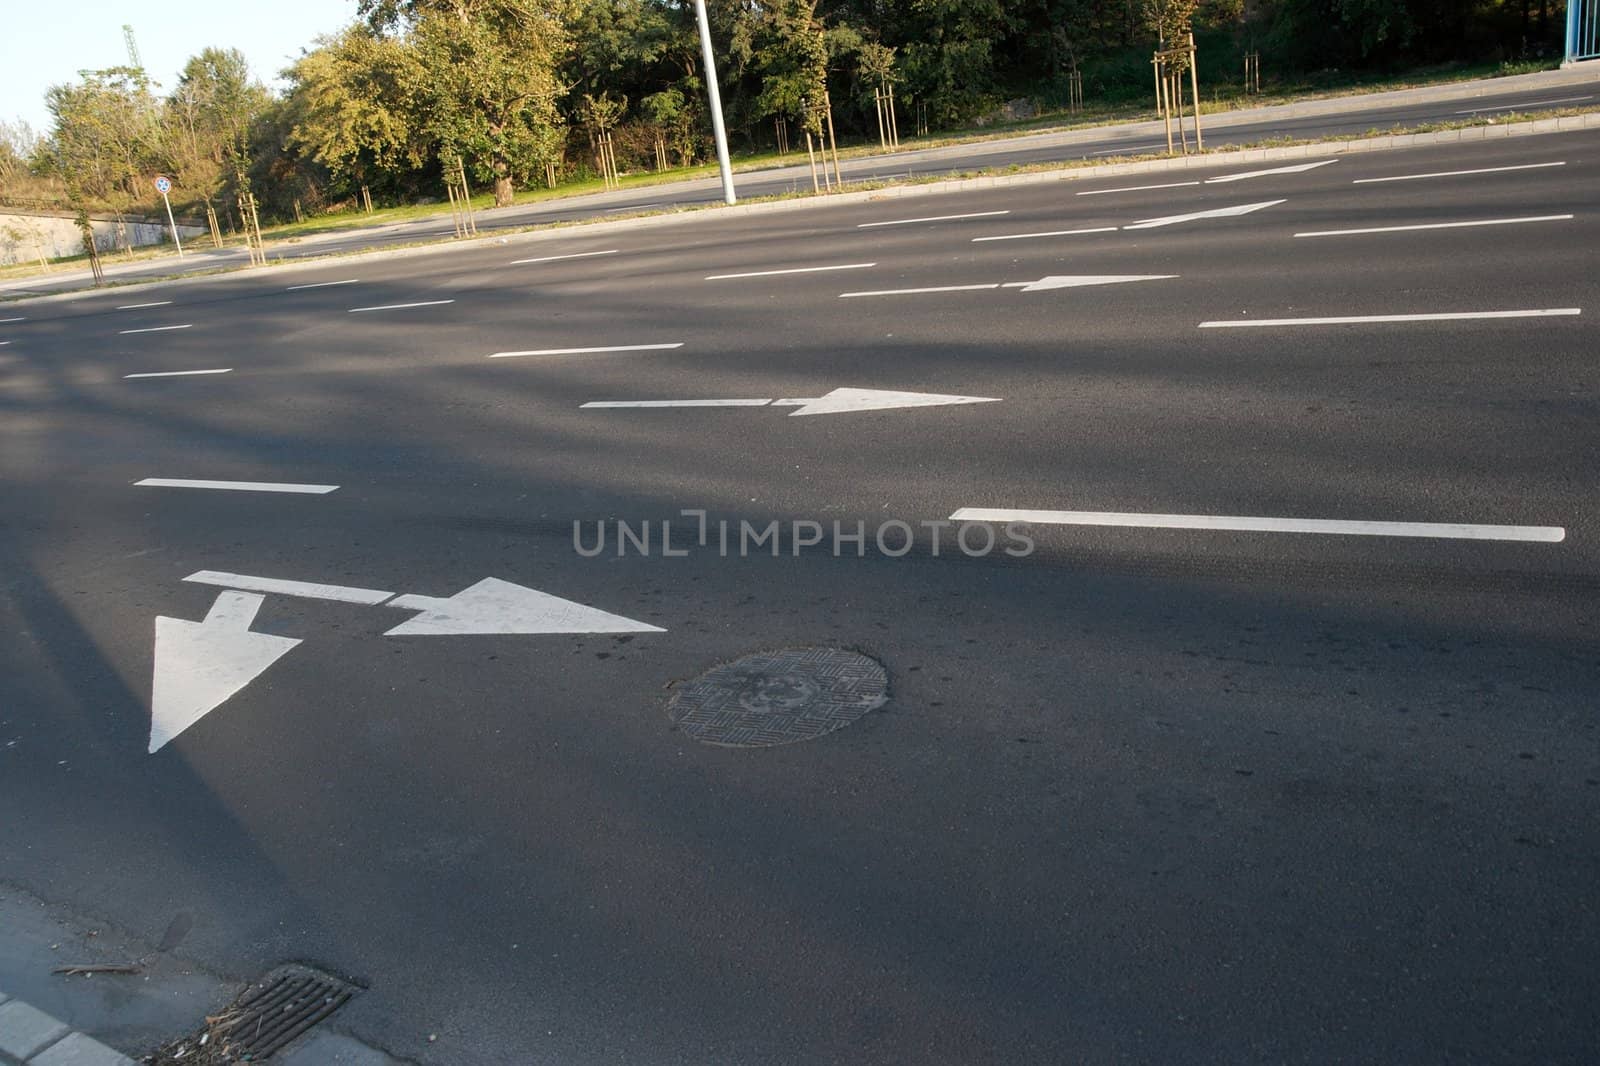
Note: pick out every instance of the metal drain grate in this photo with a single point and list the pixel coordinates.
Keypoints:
(284, 1004)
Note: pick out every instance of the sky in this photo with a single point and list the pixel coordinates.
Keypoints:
(46, 42)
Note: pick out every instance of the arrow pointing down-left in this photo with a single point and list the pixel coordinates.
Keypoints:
(199, 665)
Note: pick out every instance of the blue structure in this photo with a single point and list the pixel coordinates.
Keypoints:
(1583, 30)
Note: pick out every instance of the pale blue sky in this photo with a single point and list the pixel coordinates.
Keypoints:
(46, 42)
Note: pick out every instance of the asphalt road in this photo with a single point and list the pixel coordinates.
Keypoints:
(1148, 795)
(1352, 115)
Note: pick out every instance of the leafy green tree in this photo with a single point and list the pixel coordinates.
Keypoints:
(486, 79)
(355, 106)
(208, 119)
(105, 135)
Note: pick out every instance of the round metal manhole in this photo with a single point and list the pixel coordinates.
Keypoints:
(779, 697)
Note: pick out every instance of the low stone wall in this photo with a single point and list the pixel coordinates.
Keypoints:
(26, 236)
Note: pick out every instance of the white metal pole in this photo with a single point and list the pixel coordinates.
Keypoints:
(173, 224)
(717, 129)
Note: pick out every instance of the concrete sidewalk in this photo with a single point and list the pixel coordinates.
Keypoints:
(118, 1019)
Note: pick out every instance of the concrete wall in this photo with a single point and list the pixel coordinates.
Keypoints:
(26, 235)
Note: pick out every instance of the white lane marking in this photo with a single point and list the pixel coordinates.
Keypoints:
(676, 403)
(179, 373)
(553, 258)
(1297, 169)
(1049, 233)
(322, 284)
(794, 270)
(1524, 107)
(1356, 319)
(838, 401)
(1075, 281)
(1457, 173)
(912, 292)
(399, 307)
(236, 486)
(1437, 225)
(935, 218)
(135, 307)
(496, 606)
(199, 665)
(4, 343)
(305, 589)
(591, 351)
(1443, 530)
(1127, 148)
(1138, 188)
(156, 329)
(23, 319)
(1220, 212)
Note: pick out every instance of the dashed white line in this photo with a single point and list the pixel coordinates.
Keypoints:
(913, 292)
(1524, 107)
(156, 329)
(236, 486)
(401, 307)
(794, 270)
(13, 319)
(1449, 316)
(135, 307)
(179, 373)
(591, 351)
(1457, 173)
(1138, 188)
(1437, 225)
(1047, 233)
(935, 218)
(553, 258)
(1438, 530)
(322, 284)
(307, 589)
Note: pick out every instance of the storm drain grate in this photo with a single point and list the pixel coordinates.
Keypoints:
(284, 1004)
(779, 697)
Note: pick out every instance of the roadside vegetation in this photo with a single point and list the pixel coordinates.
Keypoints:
(522, 93)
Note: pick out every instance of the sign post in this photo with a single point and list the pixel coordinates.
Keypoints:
(164, 186)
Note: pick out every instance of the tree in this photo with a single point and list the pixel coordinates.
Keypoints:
(354, 106)
(106, 134)
(208, 119)
(486, 79)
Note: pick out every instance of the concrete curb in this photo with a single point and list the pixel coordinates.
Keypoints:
(30, 1037)
(894, 192)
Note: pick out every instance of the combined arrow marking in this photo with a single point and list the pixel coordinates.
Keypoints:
(1219, 212)
(493, 606)
(199, 665)
(839, 401)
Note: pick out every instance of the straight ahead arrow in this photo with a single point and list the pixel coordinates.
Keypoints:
(1052, 281)
(839, 401)
(1301, 168)
(1220, 212)
(495, 606)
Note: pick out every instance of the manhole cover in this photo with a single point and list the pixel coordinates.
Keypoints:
(779, 697)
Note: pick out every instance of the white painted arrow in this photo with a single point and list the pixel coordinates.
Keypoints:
(1220, 212)
(1073, 281)
(1051, 281)
(1301, 168)
(495, 606)
(839, 401)
(199, 665)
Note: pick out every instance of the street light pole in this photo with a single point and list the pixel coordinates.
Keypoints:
(717, 129)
